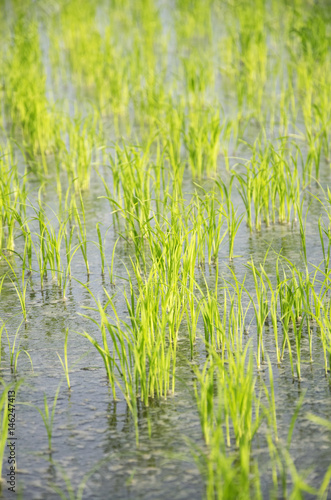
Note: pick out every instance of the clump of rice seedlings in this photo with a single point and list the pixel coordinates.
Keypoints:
(202, 142)
(77, 154)
(12, 198)
(137, 357)
(14, 354)
(20, 286)
(269, 186)
(294, 294)
(214, 323)
(323, 320)
(131, 196)
(171, 132)
(207, 220)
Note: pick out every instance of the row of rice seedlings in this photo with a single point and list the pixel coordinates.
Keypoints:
(244, 53)
(25, 98)
(295, 302)
(50, 244)
(230, 417)
(86, 47)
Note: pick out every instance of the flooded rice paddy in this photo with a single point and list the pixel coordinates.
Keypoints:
(165, 314)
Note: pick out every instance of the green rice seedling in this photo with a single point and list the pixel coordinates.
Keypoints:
(233, 222)
(81, 225)
(15, 354)
(272, 414)
(323, 319)
(214, 324)
(238, 313)
(137, 357)
(245, 191)
(229, 130)
(102, 254)
(111, 270)
(326, 230)
(297, 330)
(211, 223)
(273, 309)
(192, 311)
(20, 288)
(261, 309)
(205, 398)
(104, 351)
(302, 228)
(47, 416)
(261, 185)
(64, 362)
(12, 198)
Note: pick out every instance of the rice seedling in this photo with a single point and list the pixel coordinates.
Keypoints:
(261, 309)
(323, 229)
(20, 288)
(47, 416)
(233, 222)
(302, 228)
(64, 362)
(15, 354)
(81, 225)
